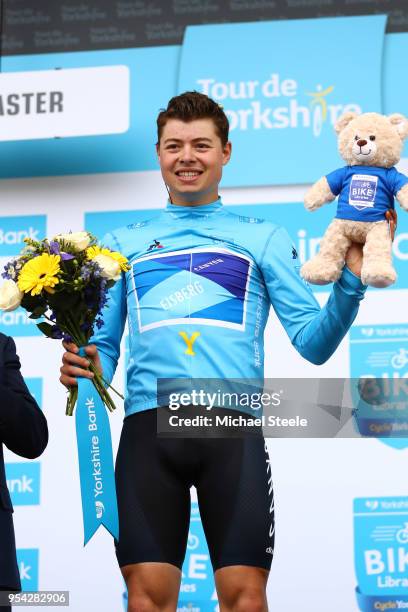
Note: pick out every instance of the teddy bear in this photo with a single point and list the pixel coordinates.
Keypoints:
(371, 145)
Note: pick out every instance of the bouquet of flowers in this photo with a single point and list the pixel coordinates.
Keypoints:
(64, 281)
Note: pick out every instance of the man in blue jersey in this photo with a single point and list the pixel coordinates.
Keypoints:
(197, 299)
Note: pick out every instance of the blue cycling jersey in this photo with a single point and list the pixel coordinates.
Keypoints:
(197, 298)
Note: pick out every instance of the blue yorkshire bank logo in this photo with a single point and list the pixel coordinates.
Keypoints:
(279, 107)
(381, 352)
(381, 553)
(16, 323)
(28, 566)
(23, 482)
(13, 230)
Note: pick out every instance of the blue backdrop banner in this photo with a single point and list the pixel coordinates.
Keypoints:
(395, 88)
(152, 82)
(28, 560)
(283, 84)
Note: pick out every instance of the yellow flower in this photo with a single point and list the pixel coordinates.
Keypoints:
(39, 273)
(94, 251)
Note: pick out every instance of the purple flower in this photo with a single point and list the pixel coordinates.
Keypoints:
(56, 333)
(54, 247)
(10, 271)
(85, 271)
(55, 250)
(6, 274)
(90, 269)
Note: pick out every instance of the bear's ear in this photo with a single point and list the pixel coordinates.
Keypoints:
(343, 121)
(400, 123)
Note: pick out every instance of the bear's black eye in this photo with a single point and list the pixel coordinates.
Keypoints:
(372, 137)
(356, 137)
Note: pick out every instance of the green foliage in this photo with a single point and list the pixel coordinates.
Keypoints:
(38, 312)
(46, 329)
(32, 302)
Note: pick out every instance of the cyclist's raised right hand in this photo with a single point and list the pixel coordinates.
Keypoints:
(73, 365)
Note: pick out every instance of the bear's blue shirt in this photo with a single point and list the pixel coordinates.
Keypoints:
(366, 192)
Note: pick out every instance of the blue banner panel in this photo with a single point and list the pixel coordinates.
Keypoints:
(28, 566)
(381, 552)
(152, 84)
(23, 482)
(13, 230)
(283, 84)
(381, 352)
(395, 86)
(16, 324)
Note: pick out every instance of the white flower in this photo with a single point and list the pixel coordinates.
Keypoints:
(110, 268)
(11, 271)
(80, 240)
(10, 296)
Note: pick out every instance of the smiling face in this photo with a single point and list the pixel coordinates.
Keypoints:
(191, 158)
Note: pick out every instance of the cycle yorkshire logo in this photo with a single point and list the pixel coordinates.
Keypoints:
(381, 553)
(277, 103)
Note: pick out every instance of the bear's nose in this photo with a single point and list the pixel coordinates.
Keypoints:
(361, 143)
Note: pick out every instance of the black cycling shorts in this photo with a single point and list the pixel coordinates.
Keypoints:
(234, 488)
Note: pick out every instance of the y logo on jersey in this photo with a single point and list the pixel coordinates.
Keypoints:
(189, 341)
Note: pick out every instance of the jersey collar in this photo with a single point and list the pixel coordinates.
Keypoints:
(201, 211)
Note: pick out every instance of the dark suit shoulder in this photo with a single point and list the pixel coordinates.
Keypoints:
(8, 345)
(4, 340)
(8, 354)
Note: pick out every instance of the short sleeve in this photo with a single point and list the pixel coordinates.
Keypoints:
(336, 180)
(397, 180)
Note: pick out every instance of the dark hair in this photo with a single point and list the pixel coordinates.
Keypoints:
(194, 105)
